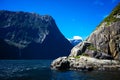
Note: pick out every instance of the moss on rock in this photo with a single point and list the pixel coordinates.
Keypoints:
(112, 17)
(91, 47)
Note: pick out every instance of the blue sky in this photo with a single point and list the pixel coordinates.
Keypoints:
(73, 17)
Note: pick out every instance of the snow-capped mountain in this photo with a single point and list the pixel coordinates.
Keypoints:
(75, 40)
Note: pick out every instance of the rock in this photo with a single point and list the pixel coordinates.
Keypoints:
(100, 49)
(84, 64)
(60, 63)
(79, 49)
(106, 37)
(91, 53)
(101, 55)
(26, 35)
(87, 49)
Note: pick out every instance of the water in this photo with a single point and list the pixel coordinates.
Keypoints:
(40, 70)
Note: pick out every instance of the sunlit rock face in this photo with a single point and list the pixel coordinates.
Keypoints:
(26, 35)
(106, 37)
(104, 40)
(98, 51)
(84, 63)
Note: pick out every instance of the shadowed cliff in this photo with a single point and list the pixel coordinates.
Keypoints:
(30, 36)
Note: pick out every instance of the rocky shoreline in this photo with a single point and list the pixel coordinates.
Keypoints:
(84, 63)
(100, 51)
(86, 57)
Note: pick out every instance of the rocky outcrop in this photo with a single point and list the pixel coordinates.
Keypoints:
(86, 57)
(100, 49)
(84, 63)
(79, 49)
(61, 63)
(30, 36)
(106, 37)
(86, 48)
(104, 42)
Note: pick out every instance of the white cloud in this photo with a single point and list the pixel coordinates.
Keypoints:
(77, 37)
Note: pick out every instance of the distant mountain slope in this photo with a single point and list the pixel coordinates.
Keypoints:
(74, 42)
(30, 36)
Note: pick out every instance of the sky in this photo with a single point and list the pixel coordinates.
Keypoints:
(73, 17)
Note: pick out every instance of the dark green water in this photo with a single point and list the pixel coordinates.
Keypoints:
(40, 70)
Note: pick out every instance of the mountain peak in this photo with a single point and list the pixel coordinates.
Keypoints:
(32, 35)
(19, 24)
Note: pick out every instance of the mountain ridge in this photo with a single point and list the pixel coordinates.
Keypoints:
(30, 36)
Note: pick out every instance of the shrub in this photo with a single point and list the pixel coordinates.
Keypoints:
(77, 57)
(84, 54)
(111, 18)
(91, 47)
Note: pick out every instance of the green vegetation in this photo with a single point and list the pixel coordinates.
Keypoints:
(91, 47)
(112, 16)
(77, 57)
(84, 54)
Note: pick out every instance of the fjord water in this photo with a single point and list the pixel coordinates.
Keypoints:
(40, 70)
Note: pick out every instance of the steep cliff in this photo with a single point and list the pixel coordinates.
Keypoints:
(106, 37)
(98, 51)
(30, 36)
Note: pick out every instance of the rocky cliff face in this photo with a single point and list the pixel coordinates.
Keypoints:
(106, 37)
(98, 51)
(30, 36)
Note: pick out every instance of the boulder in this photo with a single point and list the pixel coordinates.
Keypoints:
(91, 53)
(60, 63)
(84, 63)
(79, 49)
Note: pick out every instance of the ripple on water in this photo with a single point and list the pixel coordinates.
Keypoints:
(39, 70)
